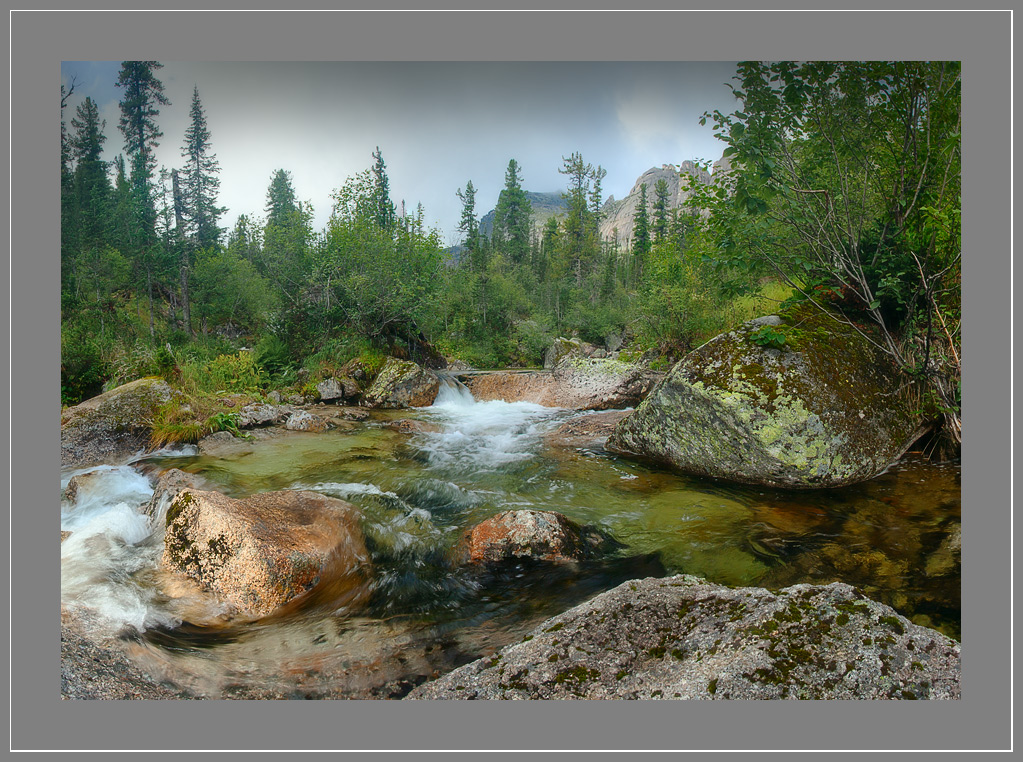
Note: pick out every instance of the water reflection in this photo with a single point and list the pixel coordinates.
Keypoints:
(895, 537)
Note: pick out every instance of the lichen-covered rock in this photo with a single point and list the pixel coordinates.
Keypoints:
(684, 638)
(563, 349)
(534, 535)
(577, 383)
(401, 384)
(113, 426)
(801, 402)
(259, 553)
(300, 420)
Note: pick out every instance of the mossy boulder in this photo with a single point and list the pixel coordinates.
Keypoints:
(113, 426)
(795, 401)
(259, 553)
(562, 349)
(685, 638)
(401, 384)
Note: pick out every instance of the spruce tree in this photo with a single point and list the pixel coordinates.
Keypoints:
(660, 227)
(200, 183)
(143, 93)
(640, 233)
(384, 208)
(512, 216)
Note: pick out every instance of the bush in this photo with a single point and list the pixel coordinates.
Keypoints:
(232, 373)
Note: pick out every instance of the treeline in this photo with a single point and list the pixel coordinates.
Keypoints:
(147, 269)
(843, 189)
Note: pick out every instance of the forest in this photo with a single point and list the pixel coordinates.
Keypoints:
(842, 190)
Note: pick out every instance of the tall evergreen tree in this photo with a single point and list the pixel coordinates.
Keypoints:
(385, 212)
(640, 233)
(512, 216)
(469, 226)
(143, 93)
(660, 227)
(200, 183)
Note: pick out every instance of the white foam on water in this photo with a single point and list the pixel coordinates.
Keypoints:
(101, 490)
(484, 435)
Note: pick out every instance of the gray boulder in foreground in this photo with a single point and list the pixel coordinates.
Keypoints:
(112, 426)
(823, 407)
(684, 638)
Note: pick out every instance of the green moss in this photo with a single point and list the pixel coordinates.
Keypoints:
(179, 504)
(712, 686)
(555, 627)
(894, 623)
(579, 674)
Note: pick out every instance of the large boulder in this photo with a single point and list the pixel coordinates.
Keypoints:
(401, 384)
(337, 389)
(261, 552)
(800, 401)
(684, 638)
(113, 426)
(532, 535)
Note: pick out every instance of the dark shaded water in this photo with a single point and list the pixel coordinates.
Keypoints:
(894, 537)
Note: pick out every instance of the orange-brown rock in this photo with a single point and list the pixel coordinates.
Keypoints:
(259, 553)
(579, 384)
(535, 535)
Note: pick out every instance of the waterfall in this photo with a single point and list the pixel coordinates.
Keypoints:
(453, 393)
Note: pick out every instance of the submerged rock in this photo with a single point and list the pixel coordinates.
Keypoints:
(535, 535)
(259, 553)
(799, 402)
(586, 432)
(684, 638)
(400, 384)
(113, 426)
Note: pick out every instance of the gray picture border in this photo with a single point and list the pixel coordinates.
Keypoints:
(41, 40)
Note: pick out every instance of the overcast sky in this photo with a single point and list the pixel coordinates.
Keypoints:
(438, 125)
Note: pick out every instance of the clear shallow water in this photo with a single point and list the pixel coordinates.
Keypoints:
(418, 493)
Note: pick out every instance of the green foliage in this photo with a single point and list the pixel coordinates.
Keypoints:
(82, 369)
(271, 355)
(768, 336)
(225, 373)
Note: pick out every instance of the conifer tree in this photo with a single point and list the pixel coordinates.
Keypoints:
(143, 93)
(512, 216)
(660, 207)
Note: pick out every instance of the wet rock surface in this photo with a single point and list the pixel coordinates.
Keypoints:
(113, 426)
(587, 432)
(533, 535)
(819, 407)
(260, 553)
(683, 638)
